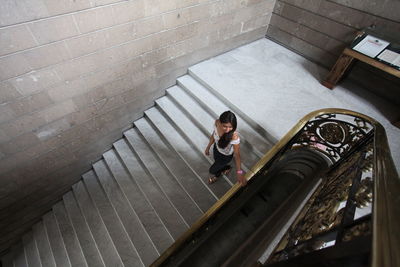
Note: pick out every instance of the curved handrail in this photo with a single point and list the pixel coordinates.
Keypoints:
(386, 206)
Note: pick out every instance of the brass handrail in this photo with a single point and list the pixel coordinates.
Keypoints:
(386, 206)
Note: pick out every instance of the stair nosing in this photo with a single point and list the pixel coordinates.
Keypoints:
(141, 192)
(158, 184)
(58, 232)
(201, 126)
(145, 189)
(187, 138)
(168, 98)
(201, 103)
(168, 144)
(169, 168)
(71, 219)
(141, 189)
(130, 209)
(74, 238)
(151, 115)
(104, 197)
(84, 214)
(250, 121)
(36, 231)
(166, 167)
(127, 200)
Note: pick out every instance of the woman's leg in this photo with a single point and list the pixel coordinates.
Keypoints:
(220, 164)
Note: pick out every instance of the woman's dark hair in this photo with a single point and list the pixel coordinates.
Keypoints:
(227, 117)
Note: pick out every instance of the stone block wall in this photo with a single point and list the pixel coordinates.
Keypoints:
(75, 74)
(321, 29)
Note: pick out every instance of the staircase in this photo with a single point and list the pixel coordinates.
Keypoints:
(145, 191)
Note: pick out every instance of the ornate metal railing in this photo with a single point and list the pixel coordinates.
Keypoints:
(358, 203)
(338, 211)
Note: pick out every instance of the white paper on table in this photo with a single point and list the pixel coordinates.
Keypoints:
(371, 46)
(390, 57)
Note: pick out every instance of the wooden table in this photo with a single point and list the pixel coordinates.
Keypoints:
(343, 63)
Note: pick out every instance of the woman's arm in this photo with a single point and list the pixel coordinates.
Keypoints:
(212, 140)
(207, 151)
(239, 172)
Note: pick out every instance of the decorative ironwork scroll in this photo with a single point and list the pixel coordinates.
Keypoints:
(357, 230)
(333, 134)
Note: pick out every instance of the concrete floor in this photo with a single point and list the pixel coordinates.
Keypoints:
(277, 87)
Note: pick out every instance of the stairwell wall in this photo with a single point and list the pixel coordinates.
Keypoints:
(321, 29)
(75, 74)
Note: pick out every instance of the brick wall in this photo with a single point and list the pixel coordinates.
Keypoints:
(75, 74)
(321, 29)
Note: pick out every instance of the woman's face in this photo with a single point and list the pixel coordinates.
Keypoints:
(227, 127)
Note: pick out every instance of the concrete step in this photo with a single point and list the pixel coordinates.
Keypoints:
(205, 122)
(112, 221)
(68, 234)
(43, 244)
(7, 260)
(19, 257)
(187, 128)
(85, 237)
(99, 231)
(182, 123)
(175, 193)
(193, 72)
(146, 213)
(185, 176)
(31, 250)
(133, 226)
(211, 103)
(146, 183)
(197, 161)
(56, 241)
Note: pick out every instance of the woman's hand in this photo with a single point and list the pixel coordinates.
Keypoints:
(241, 178)
(207, 151)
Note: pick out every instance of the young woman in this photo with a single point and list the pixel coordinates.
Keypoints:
(226, 147)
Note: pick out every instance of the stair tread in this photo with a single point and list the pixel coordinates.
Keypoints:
(215, 106)
(205, 122)
(32, 252)
(111, 219)
(146, 213)
(167, 213)
(196, 75)
(72, 245)
(198, 138)
(88, 245)
(186, 177)
(19, 255)
(175, 193)
(195, 159)
(7, 260)
(45, 253)
(128, 216)
(99, 231)
(56, 240)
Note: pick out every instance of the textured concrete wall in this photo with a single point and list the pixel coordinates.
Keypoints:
(75, 74)
(321, 29)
